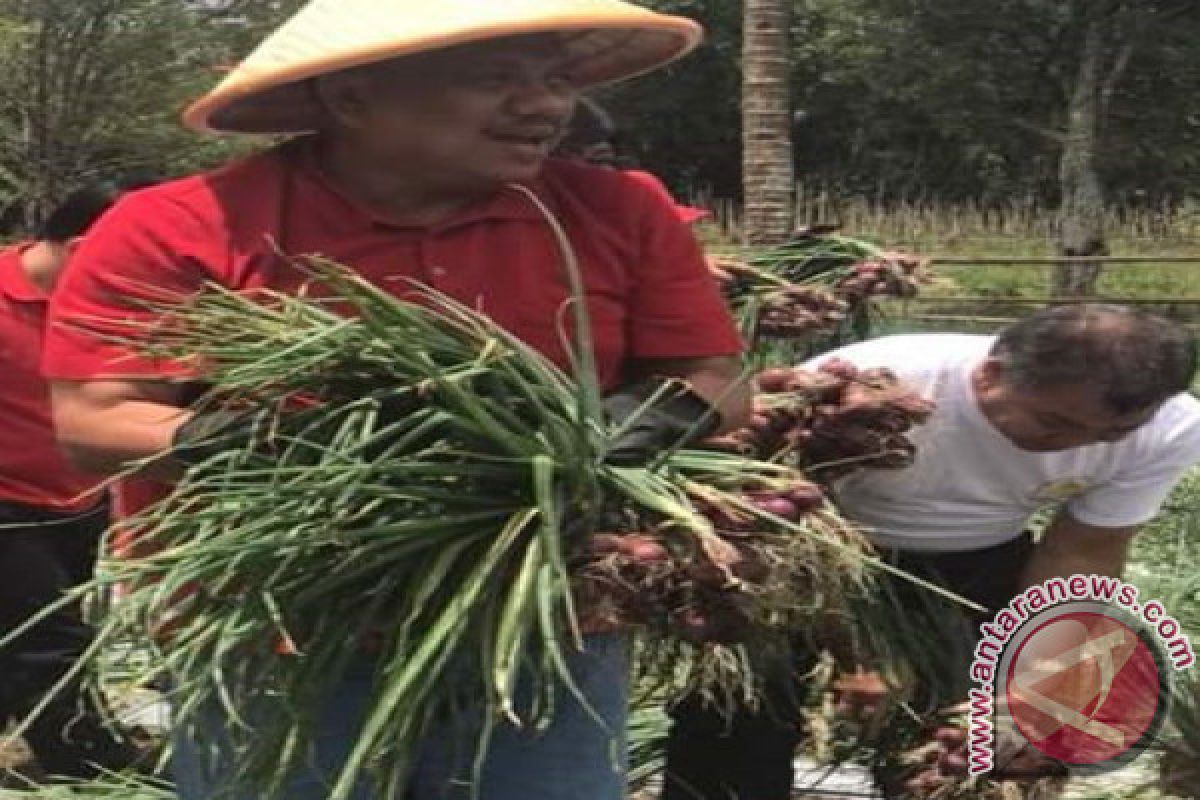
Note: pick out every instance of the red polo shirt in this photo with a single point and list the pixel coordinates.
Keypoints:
(33, 470)
(649, 293)
(684, 213)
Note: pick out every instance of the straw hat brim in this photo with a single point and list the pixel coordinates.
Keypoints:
(273, 94)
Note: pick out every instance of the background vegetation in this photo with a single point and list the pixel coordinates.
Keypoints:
(935, 126)
(899, 103)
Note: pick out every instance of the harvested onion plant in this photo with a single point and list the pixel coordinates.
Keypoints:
(794, 302)
(924, 758)
(815, 292)
(457, 546)
(827, 422)
(831, 420)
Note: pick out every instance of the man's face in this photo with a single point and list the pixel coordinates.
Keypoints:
(1050, 418)
(470, 116)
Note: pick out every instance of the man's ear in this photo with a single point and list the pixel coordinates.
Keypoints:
(991, 374)
(343, 97)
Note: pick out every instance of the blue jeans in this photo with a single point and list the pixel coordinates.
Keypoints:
(575, 758)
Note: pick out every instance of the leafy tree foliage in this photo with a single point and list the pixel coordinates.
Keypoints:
(897, 99)
(93, 88)
(685, 120)
(925, 99)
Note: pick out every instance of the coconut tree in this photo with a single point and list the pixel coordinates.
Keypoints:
(767, 173)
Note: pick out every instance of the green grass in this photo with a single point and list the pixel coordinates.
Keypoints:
(1118, 280)
(995, 282)
(1166, 553)
(1019, 230)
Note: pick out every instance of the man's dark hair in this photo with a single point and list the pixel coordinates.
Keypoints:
(1134, 359)
(79, 209)
(589, 125)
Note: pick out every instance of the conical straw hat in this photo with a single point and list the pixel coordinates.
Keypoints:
(268, 92)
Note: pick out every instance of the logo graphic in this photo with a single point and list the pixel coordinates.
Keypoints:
(1076, 669)
(1060, 491)
(1082, 686)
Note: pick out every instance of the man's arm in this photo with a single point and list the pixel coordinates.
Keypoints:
(104, 426)
(1069, 547)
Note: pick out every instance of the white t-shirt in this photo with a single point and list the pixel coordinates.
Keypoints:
(970, 487)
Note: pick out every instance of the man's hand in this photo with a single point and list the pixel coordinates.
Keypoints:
(861, 694)
(1017, 760)
(106, 426)
(1014, 758)
(654, 415)
(206, 434)
(1069, 547)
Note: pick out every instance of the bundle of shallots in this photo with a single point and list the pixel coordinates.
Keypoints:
(716, 589)
(831, 420)
(890, 274)
(464, 543)
(796, 311)
(932, 765)
(818, 283)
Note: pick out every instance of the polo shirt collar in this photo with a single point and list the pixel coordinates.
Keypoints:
(14, 282)
(505, 204)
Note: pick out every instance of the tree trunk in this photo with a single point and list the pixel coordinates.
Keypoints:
(768, 180)
(1082, 213)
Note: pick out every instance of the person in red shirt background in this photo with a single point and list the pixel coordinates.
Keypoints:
(591, 137)
(433, 129)
(52, 516)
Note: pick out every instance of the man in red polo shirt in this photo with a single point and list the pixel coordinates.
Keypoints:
(51, 515)
(434, 123)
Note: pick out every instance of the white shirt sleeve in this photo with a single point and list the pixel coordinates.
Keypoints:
(1137, 491)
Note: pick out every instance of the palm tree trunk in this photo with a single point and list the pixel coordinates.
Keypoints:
(1082, 212)
(768, 180)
